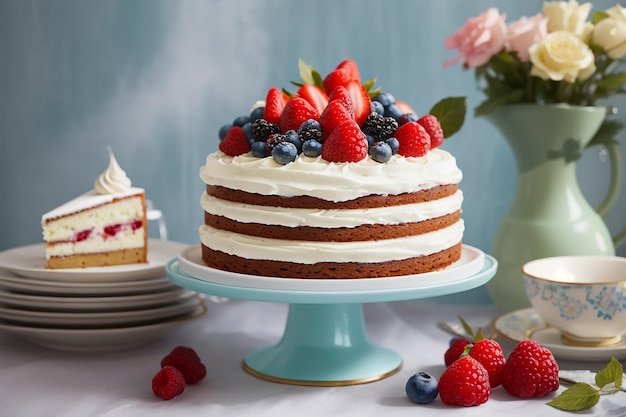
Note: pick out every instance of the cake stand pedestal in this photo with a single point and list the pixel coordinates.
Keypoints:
(325, 342)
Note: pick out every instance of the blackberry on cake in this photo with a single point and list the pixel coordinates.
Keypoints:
(103, 227)
(367, 194)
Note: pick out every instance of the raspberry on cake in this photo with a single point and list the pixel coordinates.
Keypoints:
(360, 198)
(103, 227)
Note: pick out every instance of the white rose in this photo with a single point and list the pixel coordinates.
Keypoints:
(610, 35)
(562, 56)
(571, 17)
(617, 12)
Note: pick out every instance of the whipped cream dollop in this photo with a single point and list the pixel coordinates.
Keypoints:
(113, 179)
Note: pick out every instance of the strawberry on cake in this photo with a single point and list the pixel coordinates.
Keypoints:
(337, 180)
(103, 227)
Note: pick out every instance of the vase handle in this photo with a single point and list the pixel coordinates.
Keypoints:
(614, 187)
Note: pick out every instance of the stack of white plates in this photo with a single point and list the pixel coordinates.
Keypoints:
(92, 309)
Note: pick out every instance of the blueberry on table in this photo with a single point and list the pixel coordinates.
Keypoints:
(422, 388)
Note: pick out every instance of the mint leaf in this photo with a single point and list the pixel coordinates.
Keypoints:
(468, 329)
(611, 374)
(580, 396)
(451, 114)
(306, 72)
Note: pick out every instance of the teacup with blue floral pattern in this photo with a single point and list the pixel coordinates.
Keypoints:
(583, 296)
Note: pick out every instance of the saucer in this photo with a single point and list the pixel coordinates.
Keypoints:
(30, 261)
(527, 324)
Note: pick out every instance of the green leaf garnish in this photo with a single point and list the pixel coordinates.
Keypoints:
(579, 396)
(306, 72)
(582, 396)
(451, 114)
(611, 374)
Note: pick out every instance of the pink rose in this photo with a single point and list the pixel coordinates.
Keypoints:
(479, 39)
(525, 32)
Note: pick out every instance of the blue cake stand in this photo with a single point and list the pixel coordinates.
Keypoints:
(325, 342)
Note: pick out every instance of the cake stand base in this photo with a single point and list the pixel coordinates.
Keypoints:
(323, 345)
(324, 342)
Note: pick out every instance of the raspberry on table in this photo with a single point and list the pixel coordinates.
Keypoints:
(455, 351)
(530, 371)
(490, 355)
(168, 383)
(187, 361)
(464, 383)
(183, 352)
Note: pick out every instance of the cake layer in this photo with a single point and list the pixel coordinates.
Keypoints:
(334, 217)
(330, 181)
(116, 257)
(308, 252)
(337, 234)
(332, 270)
(370, 201)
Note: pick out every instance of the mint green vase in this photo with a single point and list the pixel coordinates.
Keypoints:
(549, 215)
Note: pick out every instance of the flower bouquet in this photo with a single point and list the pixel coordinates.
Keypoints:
(557, 56)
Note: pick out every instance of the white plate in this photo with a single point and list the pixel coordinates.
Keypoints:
(526, 324)
(98, 320)
(36, 286)
(99, 340)
(30, 261)
(191, 263)
(93, 304)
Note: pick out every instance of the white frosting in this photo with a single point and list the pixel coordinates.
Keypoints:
(329, 180)
(86, 201)
(113, 180)
(294, 217)
(312, 252)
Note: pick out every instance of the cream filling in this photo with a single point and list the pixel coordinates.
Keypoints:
(294, 217)
(329, 180)
(118, 212)
(126, 239)
(306, 252)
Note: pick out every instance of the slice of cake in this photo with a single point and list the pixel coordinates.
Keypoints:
(103, 227)
(336, 181)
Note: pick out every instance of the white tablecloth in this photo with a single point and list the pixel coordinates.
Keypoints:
(36, 381)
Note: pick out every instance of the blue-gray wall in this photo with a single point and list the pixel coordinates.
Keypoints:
(156, 79)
